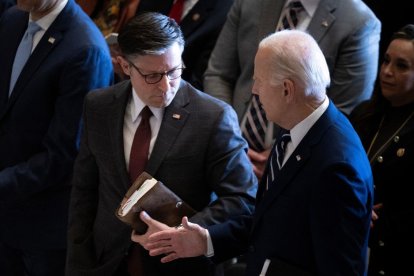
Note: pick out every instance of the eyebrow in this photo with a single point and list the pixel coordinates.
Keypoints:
(148, 72)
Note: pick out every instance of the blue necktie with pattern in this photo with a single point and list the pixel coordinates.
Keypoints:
(23, 52)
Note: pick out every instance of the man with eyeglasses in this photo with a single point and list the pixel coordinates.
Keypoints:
(196, 150)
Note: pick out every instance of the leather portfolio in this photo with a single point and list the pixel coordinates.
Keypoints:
(150, 195)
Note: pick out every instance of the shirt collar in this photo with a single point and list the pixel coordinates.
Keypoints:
(137, 106)
(299, 131)
(48, 19)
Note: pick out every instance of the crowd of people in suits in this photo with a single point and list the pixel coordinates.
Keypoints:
(340, 84)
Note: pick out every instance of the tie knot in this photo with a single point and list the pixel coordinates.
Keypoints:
(33, 28)
(284, 139)
(146, 113)
(297, 5)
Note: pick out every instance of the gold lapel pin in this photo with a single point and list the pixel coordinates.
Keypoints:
(51, 40)
(176, 116)
(196, 16)
(325, 23)
(400, 152)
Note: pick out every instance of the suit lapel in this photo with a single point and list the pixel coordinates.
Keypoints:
(175, 117)
(50, 40)
(35, 60)
(8, 52)
(269, 16)
(116, 112)
(322, 19)
(285, 176)
(196, 16)
(296, 161)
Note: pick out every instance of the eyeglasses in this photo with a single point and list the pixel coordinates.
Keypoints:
(153, 78)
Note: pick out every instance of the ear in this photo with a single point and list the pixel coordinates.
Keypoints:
(289, 89)
(124, 65)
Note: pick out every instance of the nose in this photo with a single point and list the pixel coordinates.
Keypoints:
(164, 84)
(386, 69)
(255, 88)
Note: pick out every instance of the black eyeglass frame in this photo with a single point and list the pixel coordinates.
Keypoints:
(160, 75)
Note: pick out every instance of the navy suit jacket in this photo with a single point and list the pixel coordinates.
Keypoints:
(39, 123)
(315, 219)
(201, 27)
(197, 154)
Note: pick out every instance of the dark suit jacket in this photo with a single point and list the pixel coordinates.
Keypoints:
(196, 155)
(5, 4)
(315, 218)
(40, 121)
(201, 27)
(392, 235)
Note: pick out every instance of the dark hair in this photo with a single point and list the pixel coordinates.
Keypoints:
(406, 32)
(149, 33)
(378, 103)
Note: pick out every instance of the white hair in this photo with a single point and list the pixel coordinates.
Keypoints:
(296, 55)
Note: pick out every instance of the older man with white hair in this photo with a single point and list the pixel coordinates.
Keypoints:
(314, 202)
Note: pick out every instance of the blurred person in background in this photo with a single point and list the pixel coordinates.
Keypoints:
(40, 111)
(386, 126)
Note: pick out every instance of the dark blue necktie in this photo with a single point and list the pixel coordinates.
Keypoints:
(277, 156)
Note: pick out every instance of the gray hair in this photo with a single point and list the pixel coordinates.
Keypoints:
(295, 55)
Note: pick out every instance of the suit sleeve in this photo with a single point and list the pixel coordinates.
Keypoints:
(223, 66)
(229, 172)
(83, 208)
(87, 69)
(340, 217)
(355, 70)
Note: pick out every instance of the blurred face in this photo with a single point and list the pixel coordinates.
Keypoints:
(397, 73)
(144, 69)
(38, 8)
(38, 5)
(271, 96)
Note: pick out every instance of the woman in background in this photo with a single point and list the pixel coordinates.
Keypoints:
(386, 127)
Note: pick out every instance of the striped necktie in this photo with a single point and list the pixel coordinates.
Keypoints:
(290, 16)
(277, 156)
(255, 126)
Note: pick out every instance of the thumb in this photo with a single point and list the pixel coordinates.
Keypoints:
(146, 218)
(189, 225)
(152, 223)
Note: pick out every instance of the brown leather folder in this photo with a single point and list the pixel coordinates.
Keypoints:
(150, 195)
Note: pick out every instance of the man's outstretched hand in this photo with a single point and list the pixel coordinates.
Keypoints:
(187, 240)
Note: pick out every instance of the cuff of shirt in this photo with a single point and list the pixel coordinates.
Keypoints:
(210, 249)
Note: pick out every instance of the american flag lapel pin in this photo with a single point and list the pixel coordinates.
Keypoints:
(176, 116)
(51, 40)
